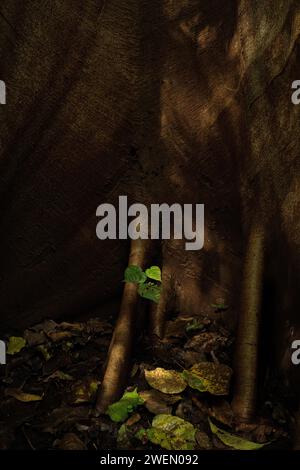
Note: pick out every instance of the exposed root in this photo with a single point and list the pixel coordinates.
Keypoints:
(158, 311)
(246, 358)
(120, 349)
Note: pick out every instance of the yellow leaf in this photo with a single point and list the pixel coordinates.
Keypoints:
(22, 396)
(15, 344)
(166, 381)
(209, 377)
(84, 391)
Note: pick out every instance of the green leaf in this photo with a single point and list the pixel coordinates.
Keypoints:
(135, 274)
(154, 273)
(220, 306)
(141, 435)
(235, 442)
(209, 377)
(15, 345)
(44, 351)
(149, 291)
(194, 325)
(122, 437)
(171, 433)
(193, 381)
(119, 411)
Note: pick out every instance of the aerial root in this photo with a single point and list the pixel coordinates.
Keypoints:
(246, 356)
(120, 350)
(158, 311)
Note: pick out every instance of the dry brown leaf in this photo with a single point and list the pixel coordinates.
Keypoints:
(57, 336)
(34, 338)
(222, 412)
(157, 402)
(207, 342)
(133, 419)
(203, 440)
(70, 442)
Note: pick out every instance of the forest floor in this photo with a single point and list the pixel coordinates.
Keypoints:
(178, 394)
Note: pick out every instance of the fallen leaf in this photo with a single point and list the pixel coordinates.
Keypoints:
(119, 411)
(133, 419)
(175, 329)
(22, 396)
(209, 377)
(84, 391)
(57, 336)
(166, 381)
(233, 441)
(157, 402)
(96, 325)
(203, 440)
(76, 327)
(171, 433)
(34, 338)
(219, 307)
(64, 417)
(15, 345)
(207, 342)
(185, 410)
(194, 325)
(44, 351)
(70, 442)
(168, 399)
(222, 412)
(59, 375)
(123, 440)
(158, 407)
(141, 435)
(46, 326)
(192, 357)
(134, 370)
(265, 432)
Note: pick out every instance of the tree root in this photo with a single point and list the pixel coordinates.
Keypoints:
(158, 311)
(246, 356)
(120, 349)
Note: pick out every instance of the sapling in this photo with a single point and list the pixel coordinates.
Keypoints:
(148, 289)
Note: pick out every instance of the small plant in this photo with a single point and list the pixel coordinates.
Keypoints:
(194, 325)
(220, 307)
(148, 289)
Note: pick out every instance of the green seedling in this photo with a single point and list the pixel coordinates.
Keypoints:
(148, 289)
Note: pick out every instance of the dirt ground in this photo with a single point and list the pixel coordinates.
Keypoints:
(48, 389)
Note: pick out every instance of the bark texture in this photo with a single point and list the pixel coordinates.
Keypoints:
(164, 101)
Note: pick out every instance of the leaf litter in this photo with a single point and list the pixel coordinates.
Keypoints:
(176, 388)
